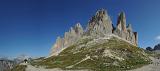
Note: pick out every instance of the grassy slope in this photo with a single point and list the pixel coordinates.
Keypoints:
(132, 56)
(19, 68)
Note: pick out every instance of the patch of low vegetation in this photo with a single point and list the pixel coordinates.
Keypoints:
(150, 53)
(113, 55)
(19, 68)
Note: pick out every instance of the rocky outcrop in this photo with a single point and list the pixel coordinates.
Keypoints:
(69, 38)
(125, 32)
(100, 25)
(121, 29)
(6, 65)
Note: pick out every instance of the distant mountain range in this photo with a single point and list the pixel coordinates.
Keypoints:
(156, 47)
(7, 64)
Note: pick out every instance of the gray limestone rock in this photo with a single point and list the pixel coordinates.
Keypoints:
(69, 38)
(99, 25)
(124, 31)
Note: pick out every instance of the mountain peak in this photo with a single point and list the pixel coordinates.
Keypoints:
(121, 23)
(100, 25)
(122, 14)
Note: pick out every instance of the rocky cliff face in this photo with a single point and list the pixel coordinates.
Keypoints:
(100, 25)
(125, 32)
(69, 38)
(6, 65)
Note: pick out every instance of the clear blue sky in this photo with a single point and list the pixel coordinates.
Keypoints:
(31, 26)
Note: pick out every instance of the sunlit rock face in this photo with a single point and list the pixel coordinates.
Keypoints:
(100, 25)
(124, 31)
(69, 38)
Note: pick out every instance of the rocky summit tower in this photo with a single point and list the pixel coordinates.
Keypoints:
(100, 25)
(125, 32)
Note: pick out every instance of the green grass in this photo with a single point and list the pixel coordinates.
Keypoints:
(19, 68)
(133, 56)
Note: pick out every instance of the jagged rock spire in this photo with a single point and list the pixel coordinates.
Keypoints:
(124, 31)
(100, 24)
(78, 29)
(129, 27)
(57, 46)
(121, 23)
(69, 38)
